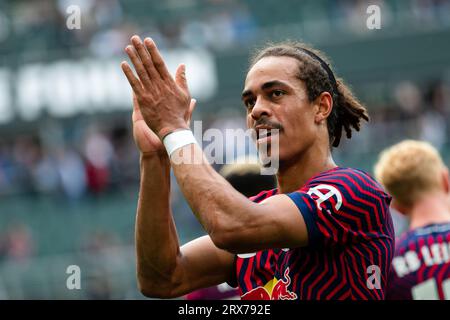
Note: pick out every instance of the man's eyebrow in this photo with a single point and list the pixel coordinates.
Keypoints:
(273, 83)
(246, 93)
(265, 86)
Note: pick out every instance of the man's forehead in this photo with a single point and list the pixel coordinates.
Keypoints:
(272, 68)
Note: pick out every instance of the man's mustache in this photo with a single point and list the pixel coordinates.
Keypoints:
(266, 122)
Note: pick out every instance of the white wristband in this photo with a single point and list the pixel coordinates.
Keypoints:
(178, 139)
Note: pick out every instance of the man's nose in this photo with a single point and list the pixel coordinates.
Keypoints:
(260, 109)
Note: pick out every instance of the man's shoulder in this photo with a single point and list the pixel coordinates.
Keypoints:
(342, 176)
(352, 187)
(403, 242)
(423, 234)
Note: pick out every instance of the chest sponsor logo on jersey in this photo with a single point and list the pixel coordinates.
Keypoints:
(275, 289)
(324, 192)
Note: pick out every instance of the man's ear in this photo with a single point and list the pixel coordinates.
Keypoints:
(399, 207)
(325, 104)
(445, 180)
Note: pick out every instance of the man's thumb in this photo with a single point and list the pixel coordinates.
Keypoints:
(180, 76)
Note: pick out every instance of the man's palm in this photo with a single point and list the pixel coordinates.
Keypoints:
(146, 140)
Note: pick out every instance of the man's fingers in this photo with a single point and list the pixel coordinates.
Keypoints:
(140, 70)
(136, 111)
(192, 106)
(157, 59)
(180, 77)
(145, 57)
(134, 82)
(135, 103)
(191, 110)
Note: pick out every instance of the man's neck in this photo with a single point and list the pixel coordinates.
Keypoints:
(432, 209)
(293, 176)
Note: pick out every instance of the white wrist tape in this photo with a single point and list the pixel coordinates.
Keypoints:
(178, 139)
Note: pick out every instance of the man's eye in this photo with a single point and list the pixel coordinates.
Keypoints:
(277, 93)
(250, 103)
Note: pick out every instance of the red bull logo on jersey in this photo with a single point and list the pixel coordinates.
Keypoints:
(275, 289)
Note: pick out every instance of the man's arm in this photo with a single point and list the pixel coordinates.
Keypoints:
(233, 222)
(157, 244)
(163, 269)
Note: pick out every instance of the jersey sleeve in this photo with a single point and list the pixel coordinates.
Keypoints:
(344, 207)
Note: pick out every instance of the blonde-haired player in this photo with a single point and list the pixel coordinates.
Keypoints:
(414, 174)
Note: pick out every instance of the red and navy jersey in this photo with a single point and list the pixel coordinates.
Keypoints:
(421, 266)
(350, 247)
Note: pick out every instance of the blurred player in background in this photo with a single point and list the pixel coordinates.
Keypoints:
(415, 175)
(245, 176)
(324, 233)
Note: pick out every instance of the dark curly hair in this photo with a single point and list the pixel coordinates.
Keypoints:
(347, 111)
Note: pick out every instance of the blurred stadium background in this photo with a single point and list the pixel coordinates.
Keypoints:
(68, 166)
